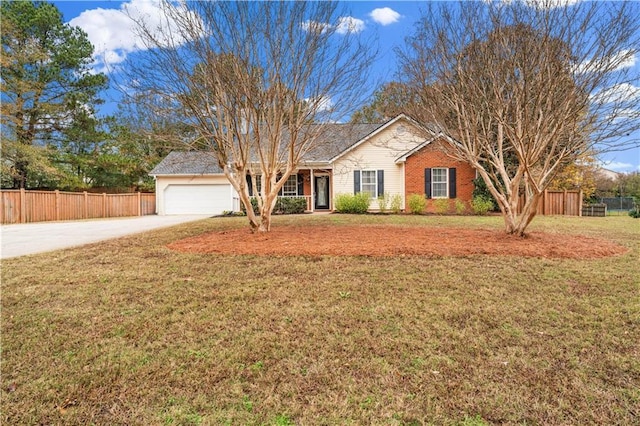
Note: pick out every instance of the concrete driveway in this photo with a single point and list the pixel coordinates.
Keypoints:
(31, 238)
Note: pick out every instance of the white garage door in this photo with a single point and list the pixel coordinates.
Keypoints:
(197, 199)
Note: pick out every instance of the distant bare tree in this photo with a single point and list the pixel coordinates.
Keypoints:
(247, 78)
(527, 87)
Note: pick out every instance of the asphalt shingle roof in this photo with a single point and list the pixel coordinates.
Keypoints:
(332, 139)
(187, 163)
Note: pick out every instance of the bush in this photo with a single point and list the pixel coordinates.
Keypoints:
(481, 205)
(396, 203)
(356, 203)
(480, 189)
(383, 202)
(284, 205)
(460, 206)
(417, 203)
(441, 205)
(635, 213)
(293, 205)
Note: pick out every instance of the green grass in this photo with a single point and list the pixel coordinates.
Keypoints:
(129, 332)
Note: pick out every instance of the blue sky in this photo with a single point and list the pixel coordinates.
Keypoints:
(388, 21)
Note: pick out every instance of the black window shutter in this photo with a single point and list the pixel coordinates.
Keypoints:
(300, 184)
(249, 185)
(380, 183)
(452, 183)
(427, 183)
(356, 181)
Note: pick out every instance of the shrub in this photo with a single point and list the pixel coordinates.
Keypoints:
(441, 205)
(284, 205)
(417, 203)
(290, 205)
(357, 203)
(480, 189)
(396, 203)
(635, 213)
(481, 205)
(383, 202)
(460, 206)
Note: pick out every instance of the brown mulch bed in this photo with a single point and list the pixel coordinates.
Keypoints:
(383, 241)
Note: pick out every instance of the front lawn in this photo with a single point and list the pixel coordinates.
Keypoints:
(131, 332)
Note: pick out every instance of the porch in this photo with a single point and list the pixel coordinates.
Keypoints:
(312, 185)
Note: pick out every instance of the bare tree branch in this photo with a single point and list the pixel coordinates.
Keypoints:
(527, 88)
(248, 78)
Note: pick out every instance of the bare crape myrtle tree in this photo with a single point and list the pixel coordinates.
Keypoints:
(243, 81)
(527, 87)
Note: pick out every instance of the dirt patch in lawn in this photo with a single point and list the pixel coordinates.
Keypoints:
(395, 241)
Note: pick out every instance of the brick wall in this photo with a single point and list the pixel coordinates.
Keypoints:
(434, 155)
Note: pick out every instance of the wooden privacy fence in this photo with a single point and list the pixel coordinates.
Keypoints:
(20, 206)
(567, 203)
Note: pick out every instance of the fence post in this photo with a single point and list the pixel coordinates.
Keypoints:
(57, 192)
(85, 210)
(23, 206)
(580, 195)
(139, 198)
(104, 204)
(545, 200)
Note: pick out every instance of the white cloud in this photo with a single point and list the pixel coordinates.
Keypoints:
(384, 16)
(617, 62)
(112, 31)
(540, 4)
(345, 25)
(624, 59)
(616, 165)
(620, 94)
(319, 27)
(349, 24)
(320, 104)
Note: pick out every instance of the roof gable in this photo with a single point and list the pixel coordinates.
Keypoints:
(379, 129)
(409, 153)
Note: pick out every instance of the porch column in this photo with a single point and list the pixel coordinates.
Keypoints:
(312, 192)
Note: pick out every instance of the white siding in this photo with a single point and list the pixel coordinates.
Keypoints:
(378, 153)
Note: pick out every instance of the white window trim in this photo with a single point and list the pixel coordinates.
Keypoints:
(446, 182)
(293, 177)
(281, 193)
(375, 181)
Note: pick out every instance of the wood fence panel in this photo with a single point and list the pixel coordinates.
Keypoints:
(10, 207)
(120, 205)
(71, 206)
(147, 204)
(40, 206)
(20, 206)
(568, 203)
(95, 206)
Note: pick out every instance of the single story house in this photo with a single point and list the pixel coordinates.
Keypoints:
(396, 157)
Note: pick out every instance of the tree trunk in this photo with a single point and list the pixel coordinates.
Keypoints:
(516, 223)
(268, 205)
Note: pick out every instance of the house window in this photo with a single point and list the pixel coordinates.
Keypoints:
(439, 183)
(290, 187)
(258, 184)
(368, 183)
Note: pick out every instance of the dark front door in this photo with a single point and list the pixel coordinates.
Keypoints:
(321, 196)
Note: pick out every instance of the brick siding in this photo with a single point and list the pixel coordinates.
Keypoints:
(434, 156)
